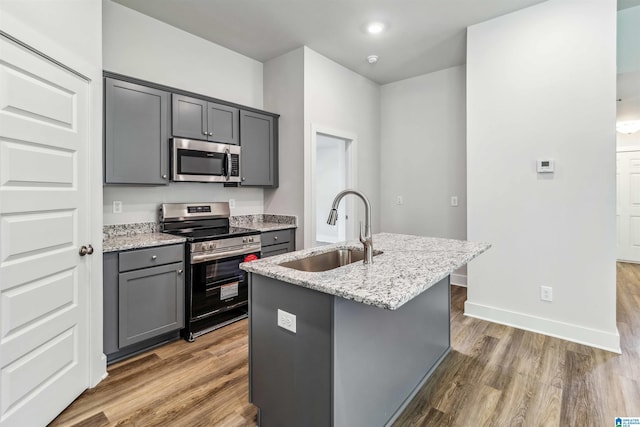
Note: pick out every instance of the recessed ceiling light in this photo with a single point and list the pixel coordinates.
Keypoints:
(372, 59)
(375, 28)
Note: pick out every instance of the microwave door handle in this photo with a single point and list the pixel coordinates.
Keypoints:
(227, 154)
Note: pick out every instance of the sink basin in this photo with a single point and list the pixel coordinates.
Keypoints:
(328, 260)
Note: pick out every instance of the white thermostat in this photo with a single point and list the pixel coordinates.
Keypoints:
(545, 166)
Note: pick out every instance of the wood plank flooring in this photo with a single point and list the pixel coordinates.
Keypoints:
(494, 376)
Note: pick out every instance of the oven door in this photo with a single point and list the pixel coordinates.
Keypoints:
(199, 161)
(218, 286)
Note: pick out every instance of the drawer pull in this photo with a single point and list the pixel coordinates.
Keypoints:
(154, 257)
(180, 271)
(275, 237)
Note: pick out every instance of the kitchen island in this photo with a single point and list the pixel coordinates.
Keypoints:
(352, 345)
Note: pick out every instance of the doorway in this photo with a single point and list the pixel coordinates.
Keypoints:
(628, 204)
(330, 169)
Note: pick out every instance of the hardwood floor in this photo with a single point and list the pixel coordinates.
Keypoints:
(494, 376)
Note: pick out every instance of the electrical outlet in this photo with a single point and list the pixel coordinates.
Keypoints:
(287, 321)
(546, 293)
(454, 200)
(232, 203)
(117, 206)
(399, 200)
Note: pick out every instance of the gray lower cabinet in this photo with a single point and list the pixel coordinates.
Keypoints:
(143, 299)
(195, 118)
(277, 242)
(259, 160)
(150, 303)
(136, 134)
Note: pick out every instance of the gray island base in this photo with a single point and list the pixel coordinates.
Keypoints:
(358, 357)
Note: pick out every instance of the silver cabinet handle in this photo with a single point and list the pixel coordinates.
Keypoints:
(164, 176)
(244, 179)
(275, 237)
(180, 271)
(204, 133)
(89, 250)
(210, 133)
(154, 257)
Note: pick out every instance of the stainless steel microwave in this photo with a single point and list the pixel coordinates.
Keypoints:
(201, 161)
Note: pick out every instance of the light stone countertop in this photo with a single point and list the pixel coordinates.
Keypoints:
(140, 240)
(268, 226)
(121, 237)
(408, 266)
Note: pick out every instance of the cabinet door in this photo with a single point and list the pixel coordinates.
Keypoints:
(136, 134)
(189, 117)
(151, 302)
(223, 123)
(258, 158)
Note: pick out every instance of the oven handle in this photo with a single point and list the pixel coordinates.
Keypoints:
(196, 259)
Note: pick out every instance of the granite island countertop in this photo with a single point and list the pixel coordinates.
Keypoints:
(408, 266)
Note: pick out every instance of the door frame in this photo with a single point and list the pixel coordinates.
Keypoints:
(310, 184)
(31, 39)
(629, 149)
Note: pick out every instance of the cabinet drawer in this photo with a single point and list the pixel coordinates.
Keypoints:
(275, 237)
(151, 257)
(279, 249)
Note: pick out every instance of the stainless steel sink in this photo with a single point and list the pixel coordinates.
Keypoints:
(328, 260)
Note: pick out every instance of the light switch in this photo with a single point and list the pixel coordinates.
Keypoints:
(117, 206)
(454, 200)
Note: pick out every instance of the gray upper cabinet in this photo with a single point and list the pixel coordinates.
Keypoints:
(259, 150)
(195, 118)
(136, 134)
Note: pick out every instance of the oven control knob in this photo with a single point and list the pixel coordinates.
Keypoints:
(244, 240)
(211, 246)
(250, 239)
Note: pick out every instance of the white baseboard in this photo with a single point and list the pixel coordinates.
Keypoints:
(566, 331)
(459, 279)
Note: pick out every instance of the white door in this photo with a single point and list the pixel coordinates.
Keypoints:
(628, 205)
(330, 167)
(330, 178)
(43, 222)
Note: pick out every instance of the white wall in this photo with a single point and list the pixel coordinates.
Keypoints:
(338, 98)
(73, 24)
(424, 159)
(307, 88)
(423, 132)
(541, 84)
(628, 40)
(139, 46)
(284, 93)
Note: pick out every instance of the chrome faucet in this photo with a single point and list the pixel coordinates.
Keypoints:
(365, 235)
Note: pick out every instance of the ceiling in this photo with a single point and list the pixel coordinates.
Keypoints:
(421, 36)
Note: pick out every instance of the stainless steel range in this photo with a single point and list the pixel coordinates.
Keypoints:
(216, 288)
